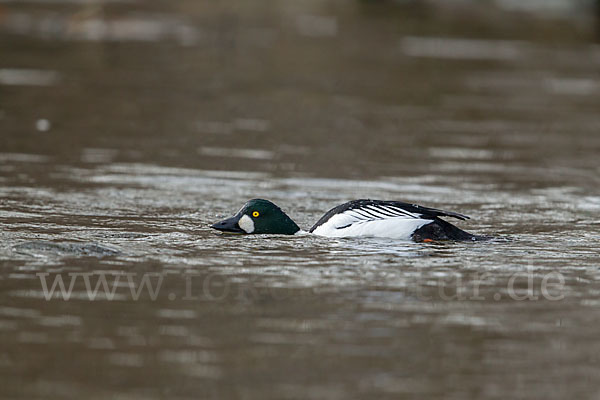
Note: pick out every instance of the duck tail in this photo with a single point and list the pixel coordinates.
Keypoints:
(443, 230)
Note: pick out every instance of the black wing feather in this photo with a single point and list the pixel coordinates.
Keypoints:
(426, 212)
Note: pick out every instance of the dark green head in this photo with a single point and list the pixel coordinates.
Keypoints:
(258, 216)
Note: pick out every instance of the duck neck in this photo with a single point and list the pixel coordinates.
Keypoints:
(287, 226)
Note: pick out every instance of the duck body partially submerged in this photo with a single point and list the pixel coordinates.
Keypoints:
(356, 218)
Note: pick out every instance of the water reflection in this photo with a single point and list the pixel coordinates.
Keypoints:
(89, 25)
(28, 77)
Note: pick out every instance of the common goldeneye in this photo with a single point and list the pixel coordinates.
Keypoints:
(357, 218)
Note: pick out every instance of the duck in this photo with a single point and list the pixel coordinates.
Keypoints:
(356, 218)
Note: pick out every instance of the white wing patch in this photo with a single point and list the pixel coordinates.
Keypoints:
(373, 220)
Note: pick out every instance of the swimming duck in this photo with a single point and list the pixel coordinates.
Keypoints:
(356, 218)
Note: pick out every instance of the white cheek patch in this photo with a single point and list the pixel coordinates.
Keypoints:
(246, 224)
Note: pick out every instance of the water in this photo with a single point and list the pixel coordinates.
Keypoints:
(128, 128)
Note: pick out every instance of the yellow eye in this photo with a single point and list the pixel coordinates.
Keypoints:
(255, 214)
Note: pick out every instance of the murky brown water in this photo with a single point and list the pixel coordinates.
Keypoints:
(127, 128)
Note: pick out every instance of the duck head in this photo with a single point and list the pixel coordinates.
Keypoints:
(258, 216)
